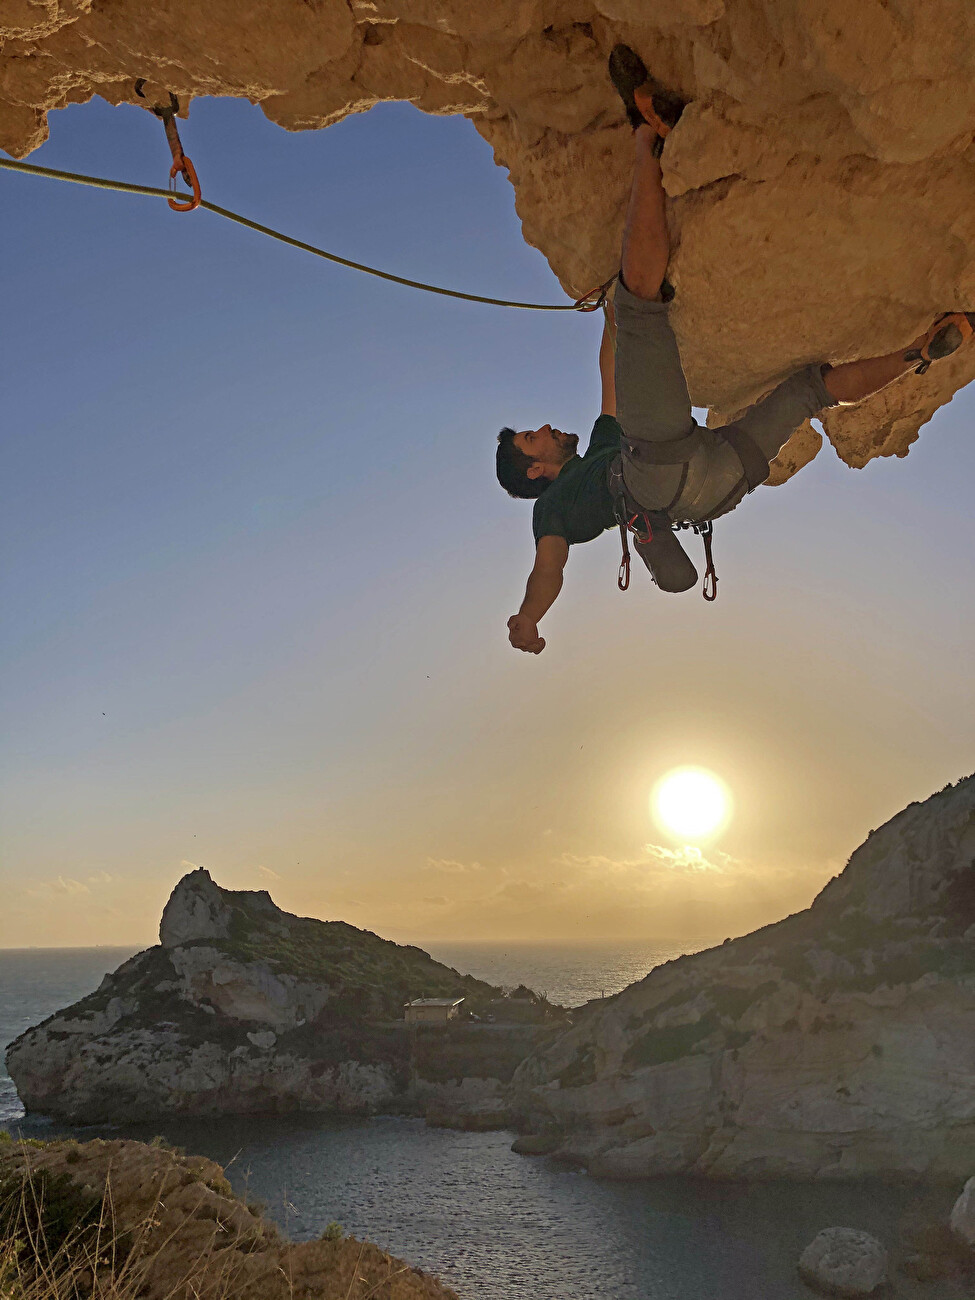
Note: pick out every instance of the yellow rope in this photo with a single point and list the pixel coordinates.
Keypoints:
(584, 304)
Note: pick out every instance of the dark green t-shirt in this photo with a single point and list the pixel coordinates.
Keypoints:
(578, 505)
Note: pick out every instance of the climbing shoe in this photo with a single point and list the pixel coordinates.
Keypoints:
(660, 108)
(945, 336)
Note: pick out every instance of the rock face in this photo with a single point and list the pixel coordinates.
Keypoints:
(823, 178)
(836, 1044)
(244, 1008)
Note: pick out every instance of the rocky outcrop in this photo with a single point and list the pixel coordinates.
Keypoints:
(244, 1008)
(836, 1044)
(823, 178)
(127, 1219)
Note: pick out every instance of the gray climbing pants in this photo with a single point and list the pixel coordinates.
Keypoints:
(653, 406)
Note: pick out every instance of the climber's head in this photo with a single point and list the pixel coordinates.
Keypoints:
(528, 461)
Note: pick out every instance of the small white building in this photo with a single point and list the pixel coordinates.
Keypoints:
(431, 1011)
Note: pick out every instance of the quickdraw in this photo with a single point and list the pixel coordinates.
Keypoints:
(594, 299)
(642, 534)
(182, 166)
(705, 530)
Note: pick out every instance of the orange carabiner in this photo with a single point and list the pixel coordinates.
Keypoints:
(181, 164)
(595, 298)
(183, 167)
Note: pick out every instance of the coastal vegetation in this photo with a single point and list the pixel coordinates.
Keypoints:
(133, 1221)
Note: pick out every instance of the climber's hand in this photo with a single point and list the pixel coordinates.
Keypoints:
(523, 634)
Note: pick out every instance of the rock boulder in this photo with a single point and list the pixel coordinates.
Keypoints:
(844, 1262)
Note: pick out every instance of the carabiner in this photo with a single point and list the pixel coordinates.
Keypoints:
(595, 298)
(182, 166)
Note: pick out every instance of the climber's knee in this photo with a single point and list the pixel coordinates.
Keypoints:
(646, 286)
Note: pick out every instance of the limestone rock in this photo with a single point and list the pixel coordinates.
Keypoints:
(822, 179)
(838, 1043)
(963, 1215)
(844, 1262)
(196, 909)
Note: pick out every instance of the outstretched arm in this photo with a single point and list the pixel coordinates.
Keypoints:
(544, 584)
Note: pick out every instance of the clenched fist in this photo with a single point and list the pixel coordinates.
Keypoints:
(523, 634)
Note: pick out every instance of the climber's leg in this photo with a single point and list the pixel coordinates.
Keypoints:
(771, 421)
(651, 392)
(854, 380)
(646, 242)
(652, 401)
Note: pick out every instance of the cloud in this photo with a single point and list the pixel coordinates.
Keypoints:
(68, 887)
(63, 886)
(271, 875)
(656, 861)
(451, 867)
(697, 894)
(437, 899)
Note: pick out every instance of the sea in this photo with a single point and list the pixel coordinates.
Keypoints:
(493, 1225)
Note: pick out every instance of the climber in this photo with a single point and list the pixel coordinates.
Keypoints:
(648, 464)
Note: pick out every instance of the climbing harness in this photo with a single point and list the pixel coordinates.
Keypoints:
(639, 524)
(653, 530)
(589, 302)
(945, 336)
(182, 166)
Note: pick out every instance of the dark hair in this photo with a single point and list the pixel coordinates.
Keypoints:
(513, 466)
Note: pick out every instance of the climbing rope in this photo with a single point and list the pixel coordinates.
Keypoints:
(590, 301)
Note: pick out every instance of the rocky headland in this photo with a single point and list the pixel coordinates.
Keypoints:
(838, 1043)
(243, 1008)
(823, 177)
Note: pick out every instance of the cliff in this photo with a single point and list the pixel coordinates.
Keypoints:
(836, 1044)
(124, 1219)
(823, 179)
(244, 1008)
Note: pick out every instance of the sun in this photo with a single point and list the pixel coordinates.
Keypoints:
(691, 803)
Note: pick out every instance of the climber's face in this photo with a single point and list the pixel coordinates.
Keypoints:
(549, 448)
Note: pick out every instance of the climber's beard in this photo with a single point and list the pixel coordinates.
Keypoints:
(568, 442)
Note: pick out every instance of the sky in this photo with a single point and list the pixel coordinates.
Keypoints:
(257, 571)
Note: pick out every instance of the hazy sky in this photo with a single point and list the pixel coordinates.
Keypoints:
(257, 573)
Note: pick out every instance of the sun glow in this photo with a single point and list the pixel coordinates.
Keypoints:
(691, 804)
